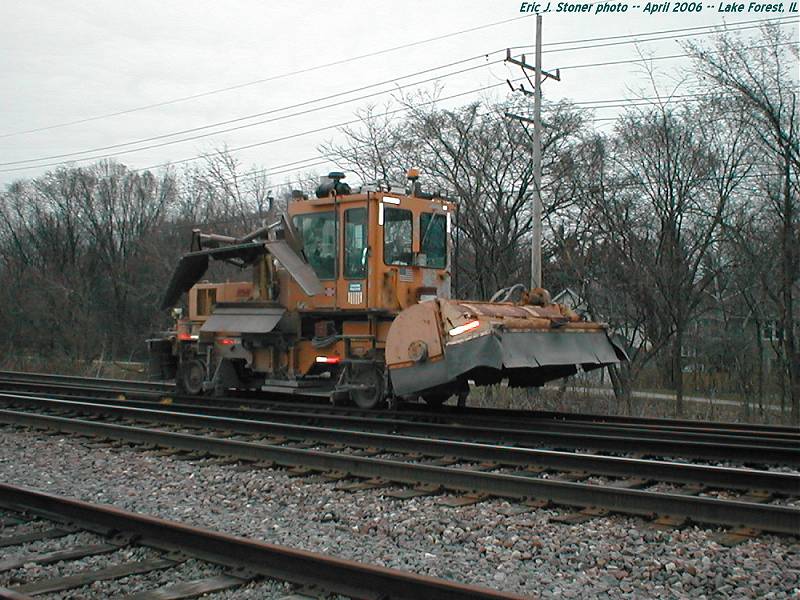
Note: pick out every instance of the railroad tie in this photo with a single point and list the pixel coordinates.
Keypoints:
(736, 536)
(586, 514)
(10, 594)
(464, 500)
(89, 576)
(431, 489)
(192, 589)
(35, 536)
(46, 558)
(369, 484)
(668, 523)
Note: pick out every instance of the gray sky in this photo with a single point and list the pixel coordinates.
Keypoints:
(67, 60)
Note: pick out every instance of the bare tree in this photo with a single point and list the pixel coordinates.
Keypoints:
(674, 174)
(762, 78)
(483, 158)
(76, 244)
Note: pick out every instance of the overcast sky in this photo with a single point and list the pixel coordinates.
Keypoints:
(64, 60)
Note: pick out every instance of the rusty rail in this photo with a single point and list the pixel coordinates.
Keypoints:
(335, 575)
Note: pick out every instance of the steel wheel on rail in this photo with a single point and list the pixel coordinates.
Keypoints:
(190, 377)
(371, 378)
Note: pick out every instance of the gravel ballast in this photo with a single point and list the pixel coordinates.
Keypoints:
(610, 557)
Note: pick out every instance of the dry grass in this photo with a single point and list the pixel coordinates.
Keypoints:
(69, 366)
(584, 395)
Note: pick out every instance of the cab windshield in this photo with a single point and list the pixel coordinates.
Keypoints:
(318, 232)
(397, 228)
(433, 240)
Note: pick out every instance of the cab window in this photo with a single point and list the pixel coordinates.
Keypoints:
(206, 299)
(433, 240)
(397, 227)
(318, 232)
(355, 243)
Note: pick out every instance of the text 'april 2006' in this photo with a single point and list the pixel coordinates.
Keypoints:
(652, 8)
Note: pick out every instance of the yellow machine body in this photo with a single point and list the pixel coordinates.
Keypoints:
(349, 298)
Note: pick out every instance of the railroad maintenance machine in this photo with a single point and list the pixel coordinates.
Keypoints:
(350, 300)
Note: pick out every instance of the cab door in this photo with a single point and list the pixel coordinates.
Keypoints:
(355, 257)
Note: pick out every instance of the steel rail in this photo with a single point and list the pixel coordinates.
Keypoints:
(766, 517)
(236, 408)
(517, 418)
(788, 454)
(335, 575)
(45, 378)
(558, 421)
(69, 382)
(530, 425)
(511, 415)
(503, 415)
(709, 476)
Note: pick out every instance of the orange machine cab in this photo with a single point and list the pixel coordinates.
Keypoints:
(371, 251)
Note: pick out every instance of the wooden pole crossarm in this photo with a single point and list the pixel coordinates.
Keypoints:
(526, 67)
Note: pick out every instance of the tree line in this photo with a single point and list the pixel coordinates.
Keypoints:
(680, 227)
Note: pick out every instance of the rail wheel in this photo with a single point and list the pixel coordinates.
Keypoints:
(190, 377)
(369, 378)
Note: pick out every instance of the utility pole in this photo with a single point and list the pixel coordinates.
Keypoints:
(536, 244)
(536, 145)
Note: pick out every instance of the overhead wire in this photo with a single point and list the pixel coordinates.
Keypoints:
(720, 28)
(281, 109)
(266, 79)
(336, 63)
(192, 138)
(362, 88)
(590, 105)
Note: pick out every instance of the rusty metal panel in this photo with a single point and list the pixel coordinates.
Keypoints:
(509, 311)
(300, 270)
(414, 335)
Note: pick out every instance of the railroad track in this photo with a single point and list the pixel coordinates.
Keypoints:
(738, 447)
(49, 381)
(145, 390)
(717, 441)
(75, 385)
(82, 531)
(469, 471)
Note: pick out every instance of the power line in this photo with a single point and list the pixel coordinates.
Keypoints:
(305, 103)
(281, 109)
(192, 138)
(665, 57)
(261, 143)
(712, 30)
(609, 103)
(588, 104)
(265, 79)
(326, 127)
(651, 100)
(339, 94)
